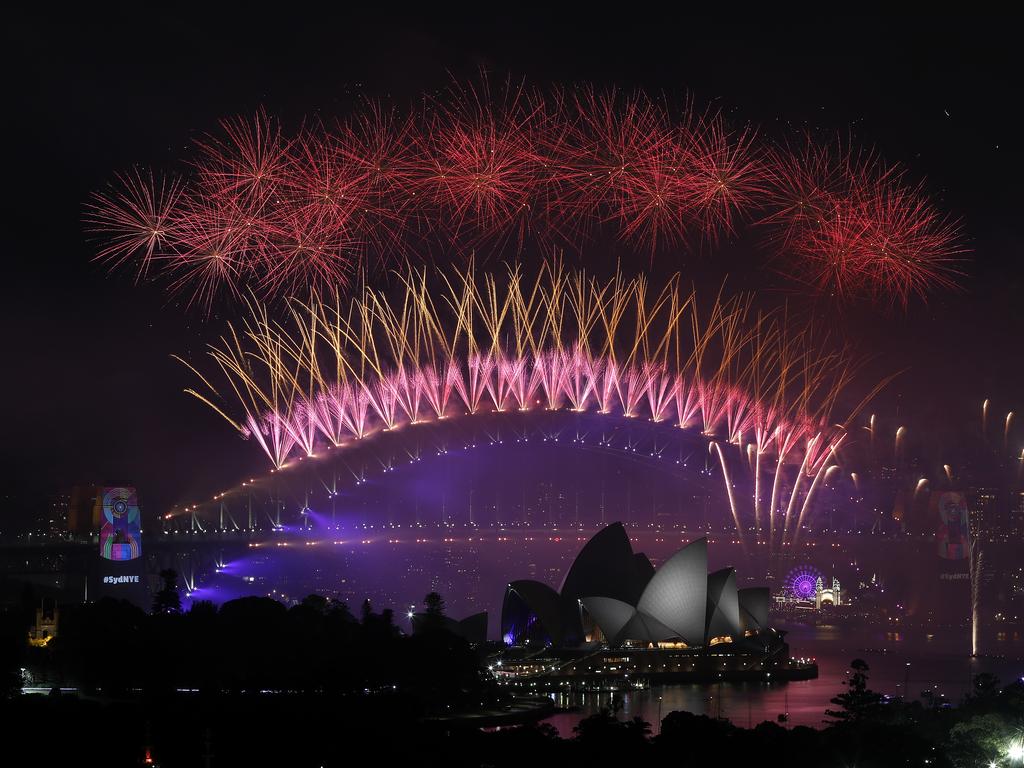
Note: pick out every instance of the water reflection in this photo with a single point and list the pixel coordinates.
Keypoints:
(928, 666)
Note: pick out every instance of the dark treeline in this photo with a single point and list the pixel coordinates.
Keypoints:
(315, 685)
(328, 730)
(257, 644)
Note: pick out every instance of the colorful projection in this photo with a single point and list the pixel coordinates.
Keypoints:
(952, 532)
(121, 534)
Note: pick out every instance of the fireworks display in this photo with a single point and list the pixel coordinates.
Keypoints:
(337, 372)
(476, 171)
(850, 226)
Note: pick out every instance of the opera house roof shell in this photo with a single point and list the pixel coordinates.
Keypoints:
(626, 599)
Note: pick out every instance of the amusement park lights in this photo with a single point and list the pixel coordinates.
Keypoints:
(802, 582)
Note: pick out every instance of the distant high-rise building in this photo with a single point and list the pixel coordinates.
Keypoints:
(51, 518)
(997, 514)
(984, 513)
(1017, 517)
(58, 522)
(85, 508)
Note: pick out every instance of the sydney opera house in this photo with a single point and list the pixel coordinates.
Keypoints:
(614, 600)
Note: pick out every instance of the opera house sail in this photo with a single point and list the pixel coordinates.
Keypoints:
(617, 617)
(612, 595)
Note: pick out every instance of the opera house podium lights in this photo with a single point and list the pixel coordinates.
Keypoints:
(616, 616)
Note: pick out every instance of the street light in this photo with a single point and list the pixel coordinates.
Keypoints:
(1015, 750)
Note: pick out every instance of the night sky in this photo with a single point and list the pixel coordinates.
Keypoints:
(92, 394)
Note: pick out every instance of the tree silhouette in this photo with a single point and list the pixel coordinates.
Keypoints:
(317, 603)
(434, 604)
(433, 618)
(167, 600)
(859, 703)
(978, 740)
(603, 731)
(984, 688)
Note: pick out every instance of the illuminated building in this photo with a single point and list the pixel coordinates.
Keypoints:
(1017, 518)
(532, 612)
(996, 514)
(45, 627)
(614, 596)
(804, 589)
(827, 595)
(983, 512)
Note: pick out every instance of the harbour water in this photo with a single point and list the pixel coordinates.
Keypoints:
(939, 669)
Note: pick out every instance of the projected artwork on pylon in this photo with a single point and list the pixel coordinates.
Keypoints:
(121, 534)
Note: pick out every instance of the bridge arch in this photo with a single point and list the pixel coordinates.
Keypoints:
(327, 489)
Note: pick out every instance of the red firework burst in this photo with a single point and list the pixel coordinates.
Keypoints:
(306, 254)
(480, 162)
(477, 169)
(135, 218)
(378, 148)
(621, 160)
(321, 187)
(908, 247)
(248, 163)
(852, 227)
(213, 244)
(728, 176)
